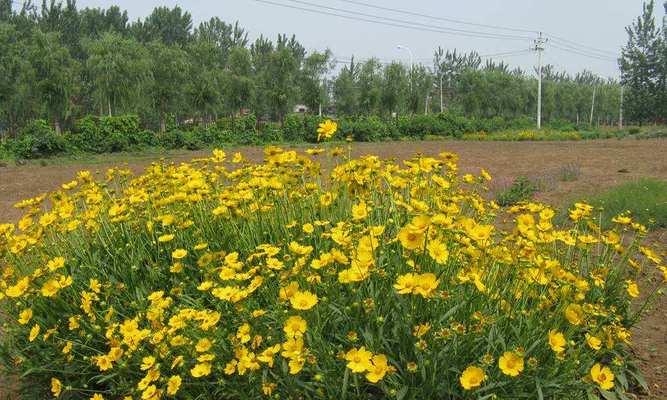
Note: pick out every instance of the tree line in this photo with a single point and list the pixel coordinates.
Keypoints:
(60, 63)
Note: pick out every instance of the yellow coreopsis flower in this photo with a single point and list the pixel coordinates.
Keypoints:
(359, 360)
(326, 129)
(378, 369)
(593, 342)
(25, 316)
(200, 370)
(575, 314)
(359, 211)
(556, 341)
(295, 326)
(179, 253)
(632, 289)
(472, 377)
(511, 363)
(34, 332)
(602, 376)
(438, 251)
(173, 384)
(56, 387)
(303, 300)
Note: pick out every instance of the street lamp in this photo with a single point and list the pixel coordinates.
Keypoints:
(401, 47)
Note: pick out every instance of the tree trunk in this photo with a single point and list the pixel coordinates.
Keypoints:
(163, 124)
(109, 103)
(56, 126)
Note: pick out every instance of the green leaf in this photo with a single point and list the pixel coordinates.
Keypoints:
(402, 393)
(608, 395)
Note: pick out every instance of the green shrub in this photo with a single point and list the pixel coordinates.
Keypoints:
(367, 129)
(645, 200)
(38, 140)
(521, 189)
(110, 134)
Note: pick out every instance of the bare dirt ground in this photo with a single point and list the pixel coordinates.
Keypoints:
(599, 165)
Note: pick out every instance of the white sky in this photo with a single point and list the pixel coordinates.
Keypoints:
(596, 23)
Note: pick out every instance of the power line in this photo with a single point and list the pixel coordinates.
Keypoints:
(575, 44)
(564, 41)
(581, 53)
(395, 22)
(456, 21)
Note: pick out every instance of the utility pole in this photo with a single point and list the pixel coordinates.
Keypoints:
(441, 74)
(620, 111)
(590, 122)
(539, 48)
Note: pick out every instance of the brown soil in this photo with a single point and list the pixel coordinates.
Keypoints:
(599, 164)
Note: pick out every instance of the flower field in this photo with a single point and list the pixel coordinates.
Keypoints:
(226, 279)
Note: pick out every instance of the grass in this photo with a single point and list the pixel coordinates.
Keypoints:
(645, 199)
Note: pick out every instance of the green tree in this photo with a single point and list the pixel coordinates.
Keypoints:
(281, 87)
(345, 91)
(16, 81)
(640, 67)
(119, 70)
(56, 74)
(169, 68)
(394, 88)
(170, 26)
(95, 21)
(204, 89)
(311, 79)
(370, 87)
(239, 86)
(225, 36)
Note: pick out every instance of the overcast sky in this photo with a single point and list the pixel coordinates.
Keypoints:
(597, 24)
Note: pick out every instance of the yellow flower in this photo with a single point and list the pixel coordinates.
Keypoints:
(303, 300)
(472, 377)
(34, 332)
(359, 211)
(308, 228)
(97, 396)
(326, 199)
(556, 341)
(632, 288)
(411, 238)
(378, 369)
(295, 326)
(56, 387)
(326, 129)
(147, 363)
(359, 360)
(179, 253)
(173, 384)
(511, 363)
(25, 316)
(165, 238)
(200, 370)
(203, 345)
(438, 251)
(575, 314)
(593, 342)
(18, 289)
(602, 376)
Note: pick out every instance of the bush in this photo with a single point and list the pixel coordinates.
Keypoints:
(365, 129)
(110, 134)
(207, 285)
(522, 189)
(645, 200)
(38, 140)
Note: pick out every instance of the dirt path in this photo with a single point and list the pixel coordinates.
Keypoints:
(599, 165)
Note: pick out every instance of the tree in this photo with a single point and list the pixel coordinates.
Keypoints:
(56, 74)
(224, 36)
(204, 89)
(118, 69)
(281, 89)
(169, 67)
(370, 87)
(239, 86)
(95, 21)
(394, 87)
(170, 26)
(640, 67)
(345, 90)
(311, 79)
(16, 80)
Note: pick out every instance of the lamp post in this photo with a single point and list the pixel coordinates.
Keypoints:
(401, 47)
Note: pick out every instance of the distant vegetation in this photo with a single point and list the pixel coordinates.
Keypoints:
(61, 64)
